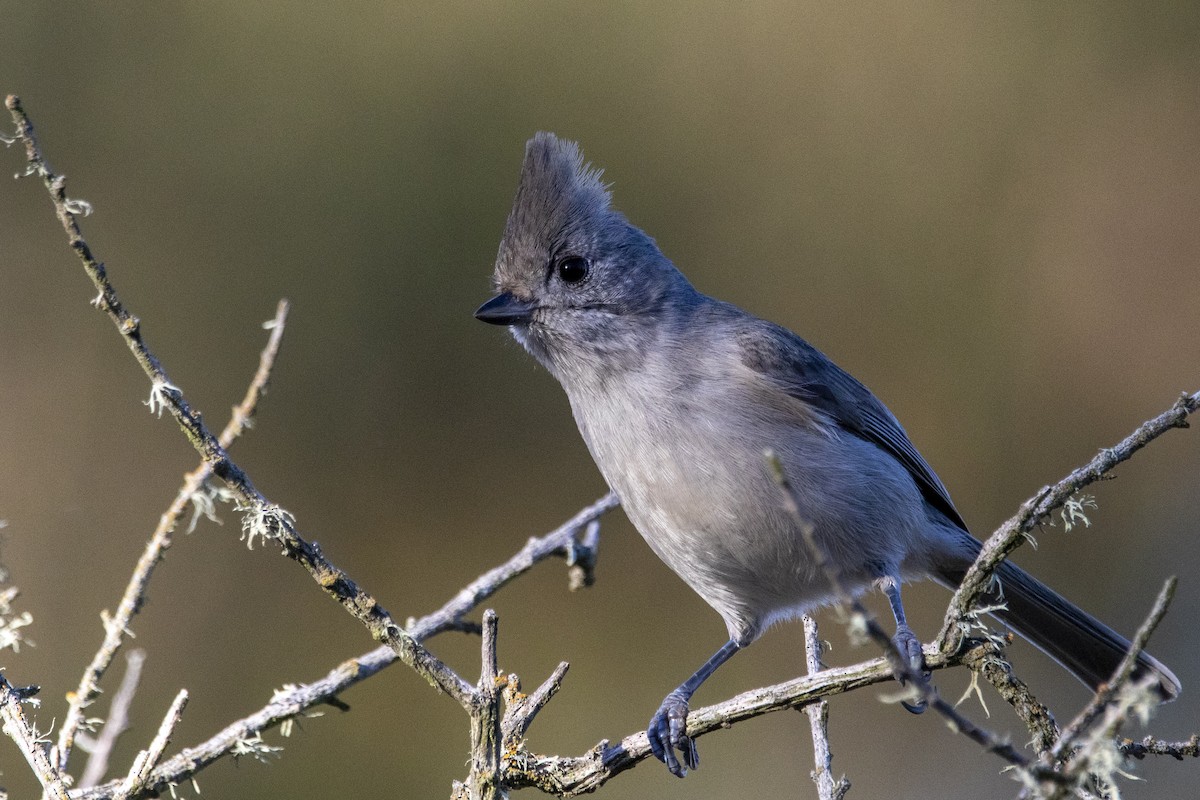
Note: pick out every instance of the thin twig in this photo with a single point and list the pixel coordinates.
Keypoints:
(1012, 533)
(144, 763)
(1086, 757)
(559, 541)
(100, 749)
(1106, 694)
(818, 722)
(1092, 766)
(521, 709)
(116, 626)
(1150, 746)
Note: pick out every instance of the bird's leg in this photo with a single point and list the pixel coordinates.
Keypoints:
(906, 642)
(668, 726)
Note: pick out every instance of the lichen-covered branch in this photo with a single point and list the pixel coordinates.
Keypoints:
(486, 778)
(1150, 746)
(294, 701)
(1051, 498)
(261, 517)
(34, 747)
(996, 670)
(116, 625)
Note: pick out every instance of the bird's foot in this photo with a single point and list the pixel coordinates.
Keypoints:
(668, 733)
(909, 647)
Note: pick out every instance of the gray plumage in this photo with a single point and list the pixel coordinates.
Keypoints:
(678, 395)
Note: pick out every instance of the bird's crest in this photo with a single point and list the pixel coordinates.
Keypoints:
(557, 194)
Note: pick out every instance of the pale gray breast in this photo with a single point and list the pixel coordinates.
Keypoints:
(684, 450)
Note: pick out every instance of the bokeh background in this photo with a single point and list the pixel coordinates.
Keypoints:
(986, 211)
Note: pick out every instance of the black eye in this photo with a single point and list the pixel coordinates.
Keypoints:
(572, 269)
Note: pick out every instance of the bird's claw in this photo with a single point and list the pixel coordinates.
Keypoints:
(668, 732)
(909, 647)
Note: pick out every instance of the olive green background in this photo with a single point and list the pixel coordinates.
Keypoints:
(986, 211)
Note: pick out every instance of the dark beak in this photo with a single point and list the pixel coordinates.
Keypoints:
(504, 309)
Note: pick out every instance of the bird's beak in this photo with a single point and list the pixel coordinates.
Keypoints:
(505, 309)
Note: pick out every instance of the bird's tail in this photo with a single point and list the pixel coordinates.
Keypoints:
(1085, 646)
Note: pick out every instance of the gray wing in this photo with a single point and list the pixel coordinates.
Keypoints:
(806, 373)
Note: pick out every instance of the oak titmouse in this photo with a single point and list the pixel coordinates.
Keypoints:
(678, 396)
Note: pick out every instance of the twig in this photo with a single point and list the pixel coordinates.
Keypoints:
(33, 747)
(295, 701)
(262, 518)
(100, 749)
(581, 558)
(139, 773)
(486, 780)
(987, 661)
(1093, 763)
(521, 709)
(559, 541)
(1151, 746)
(1106, 694)
(1086, 756)
(818, 721)
(116, 626)
(1012, 533)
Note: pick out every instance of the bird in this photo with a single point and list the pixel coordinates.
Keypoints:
(678, 396)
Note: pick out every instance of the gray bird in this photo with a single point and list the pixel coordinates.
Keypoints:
(678, 396)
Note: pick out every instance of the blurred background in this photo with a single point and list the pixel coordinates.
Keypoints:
(987, 212)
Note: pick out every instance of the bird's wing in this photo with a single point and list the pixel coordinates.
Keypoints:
(804, 372)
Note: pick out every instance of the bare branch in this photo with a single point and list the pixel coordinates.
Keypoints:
(521, 709)
(1106, 695)
(1010, 535)
(818, 721)
(996, 670)
(285, 705)
(117, 723)
(116, 626)
(569, 776)
(295, 701)
(559, 541)
(486, 779)
(32, 746)
(262, 518)
(139, 773)
(1151, 746)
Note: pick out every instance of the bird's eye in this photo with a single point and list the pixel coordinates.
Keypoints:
(572, 269)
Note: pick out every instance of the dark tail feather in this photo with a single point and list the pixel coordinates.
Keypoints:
(1085, 646)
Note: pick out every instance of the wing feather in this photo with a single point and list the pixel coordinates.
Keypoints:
(804, 372)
